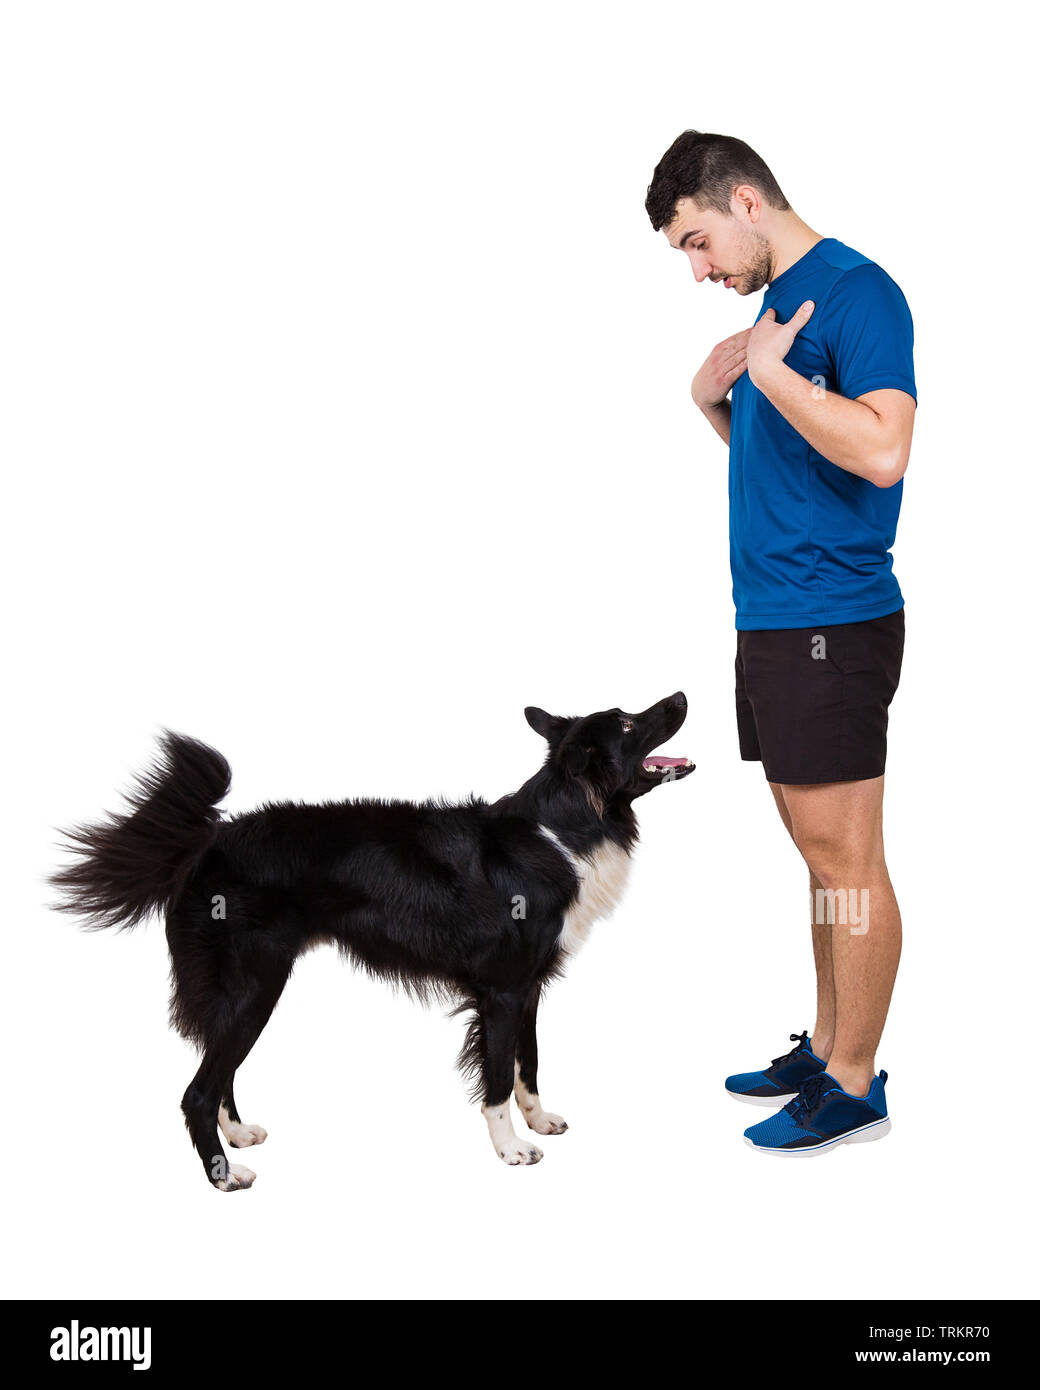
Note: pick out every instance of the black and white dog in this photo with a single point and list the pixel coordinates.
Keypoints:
(478, 903)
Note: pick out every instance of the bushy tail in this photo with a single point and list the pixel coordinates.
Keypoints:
(130, 865)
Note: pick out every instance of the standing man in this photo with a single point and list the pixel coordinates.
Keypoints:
(816, 403)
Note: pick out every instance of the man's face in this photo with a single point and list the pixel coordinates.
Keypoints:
(722, 246)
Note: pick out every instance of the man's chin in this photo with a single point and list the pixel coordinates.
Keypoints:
(739, 283)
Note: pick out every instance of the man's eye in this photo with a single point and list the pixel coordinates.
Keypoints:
(627, 726)
(701, 246)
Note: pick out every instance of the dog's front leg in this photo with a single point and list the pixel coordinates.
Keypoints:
(500, 1016)
(525, 1084)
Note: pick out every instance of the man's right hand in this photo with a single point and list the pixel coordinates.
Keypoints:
(725, 363)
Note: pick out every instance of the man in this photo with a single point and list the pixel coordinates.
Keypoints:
(816, 402)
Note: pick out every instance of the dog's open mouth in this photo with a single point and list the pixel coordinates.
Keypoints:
(667, 769)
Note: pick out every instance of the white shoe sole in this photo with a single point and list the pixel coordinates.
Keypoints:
(775, 1102)
(866, 1134)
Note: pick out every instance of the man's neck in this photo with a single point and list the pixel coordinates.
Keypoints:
(791, 239)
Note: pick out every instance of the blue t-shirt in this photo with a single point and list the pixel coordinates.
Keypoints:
(809, 542)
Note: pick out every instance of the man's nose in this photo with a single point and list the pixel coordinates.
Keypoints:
(701, 269)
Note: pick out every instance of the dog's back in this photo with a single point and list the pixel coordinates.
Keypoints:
(426, 894)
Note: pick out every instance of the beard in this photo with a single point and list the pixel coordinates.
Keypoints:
(758, 263)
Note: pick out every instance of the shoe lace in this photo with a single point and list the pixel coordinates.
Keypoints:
(807, 1101)
(801, 1039)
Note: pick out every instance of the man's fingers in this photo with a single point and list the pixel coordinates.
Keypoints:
(725, 351)
(801, 316)
(738, 340)
(769, 314)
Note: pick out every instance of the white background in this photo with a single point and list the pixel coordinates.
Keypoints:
(346, 406)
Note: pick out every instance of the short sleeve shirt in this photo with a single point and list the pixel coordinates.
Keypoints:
(810, 543)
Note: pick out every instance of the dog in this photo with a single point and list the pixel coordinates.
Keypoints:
(477, 903)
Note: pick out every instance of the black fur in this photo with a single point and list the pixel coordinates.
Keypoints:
(134, 864)
(426, 896)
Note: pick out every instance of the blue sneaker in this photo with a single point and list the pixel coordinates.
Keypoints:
(821, 1117)
(782, 1079)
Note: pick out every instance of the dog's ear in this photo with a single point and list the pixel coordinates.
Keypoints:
(550, 726)
(575, 757)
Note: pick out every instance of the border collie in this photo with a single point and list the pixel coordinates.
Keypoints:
(478, 903)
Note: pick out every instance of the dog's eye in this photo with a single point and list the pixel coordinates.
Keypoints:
(627, 725)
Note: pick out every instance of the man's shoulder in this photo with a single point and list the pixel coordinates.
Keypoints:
(833, 272)
(840, 257)
(854, 278)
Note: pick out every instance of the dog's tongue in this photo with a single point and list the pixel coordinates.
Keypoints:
(658, 761)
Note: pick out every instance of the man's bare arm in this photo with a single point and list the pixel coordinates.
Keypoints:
(711, 386)
(718, 417)
(869, 436)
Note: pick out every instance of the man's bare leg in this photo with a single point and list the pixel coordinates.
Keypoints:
(822, 1036)
(837, 827)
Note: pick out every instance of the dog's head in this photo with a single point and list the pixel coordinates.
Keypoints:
(612, 753)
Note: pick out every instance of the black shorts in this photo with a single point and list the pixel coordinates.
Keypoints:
(812, 702)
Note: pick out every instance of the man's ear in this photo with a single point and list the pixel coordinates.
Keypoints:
(549, 726)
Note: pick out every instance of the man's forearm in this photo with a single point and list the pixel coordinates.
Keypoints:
(847, 433)
(718, 416)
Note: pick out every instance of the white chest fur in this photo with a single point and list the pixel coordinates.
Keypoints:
(602, 877)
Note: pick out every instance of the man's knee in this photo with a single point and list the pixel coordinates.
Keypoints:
(840, 856)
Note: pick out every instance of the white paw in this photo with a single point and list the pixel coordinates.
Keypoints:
(544, 1122)
(238, 1135)
(242, 1136)
(513, 1151)
(237, 1180)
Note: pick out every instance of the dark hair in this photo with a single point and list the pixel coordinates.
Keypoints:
(708, 168)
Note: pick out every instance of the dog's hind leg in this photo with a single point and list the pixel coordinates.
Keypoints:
(498, 1021)
(525, 1085)
(250, 1007)
(200, 1105)
(238, 1135)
